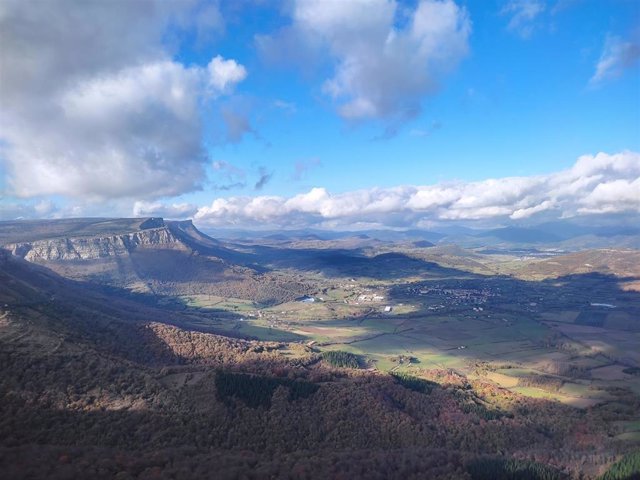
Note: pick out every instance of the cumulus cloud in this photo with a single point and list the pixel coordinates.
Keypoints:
(523, 14)
(381, 70)
(595, 184)
(94, 106)
(530, 211)
(617, 56)
(224, 74)
(613, 197)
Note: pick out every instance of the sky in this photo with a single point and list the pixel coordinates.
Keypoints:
(347, 114)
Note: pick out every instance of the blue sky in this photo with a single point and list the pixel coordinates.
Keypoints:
(514, 107)
(502, 89)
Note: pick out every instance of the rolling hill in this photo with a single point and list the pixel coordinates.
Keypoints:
(125, 392)
(149, 349)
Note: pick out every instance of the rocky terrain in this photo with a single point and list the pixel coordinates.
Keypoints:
(91, 248)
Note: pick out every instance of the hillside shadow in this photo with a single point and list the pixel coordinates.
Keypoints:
(112, 319)
(591, 311)
(154, 444)
(561, 328)
(208, 246)
(333, 263)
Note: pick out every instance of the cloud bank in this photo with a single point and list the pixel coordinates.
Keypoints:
(595, 184)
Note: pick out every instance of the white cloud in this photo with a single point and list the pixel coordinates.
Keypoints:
(14, 210)
(599, 183)
(96, 108)
(617, 55)
(382, 71)
(523, 14)
(225, 74)
(529, 211)
(613, 197)
(158, 209)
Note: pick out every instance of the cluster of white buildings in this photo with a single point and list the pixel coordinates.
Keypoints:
(455, 295)
(370, 298)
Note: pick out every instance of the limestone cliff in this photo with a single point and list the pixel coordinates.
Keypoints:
(90, 248)
(146, 255)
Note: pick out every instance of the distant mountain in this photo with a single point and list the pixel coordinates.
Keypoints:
(404, 235)
(310, 236)
(556, 235)
(521, 235)
(560, 234)
(620, 263)
(315, 234)
(278, 236)
(568, 230)
(456, 229)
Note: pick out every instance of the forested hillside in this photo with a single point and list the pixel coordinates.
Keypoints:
(121, 395)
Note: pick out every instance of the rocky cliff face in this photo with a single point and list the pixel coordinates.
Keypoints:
(147, 255)
(91, 248)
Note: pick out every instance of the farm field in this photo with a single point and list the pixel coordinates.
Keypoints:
(539, 339)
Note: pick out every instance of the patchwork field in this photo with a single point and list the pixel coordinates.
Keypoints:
(537, 338)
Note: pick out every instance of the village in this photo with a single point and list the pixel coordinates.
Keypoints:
(452, 296)
(350, 299)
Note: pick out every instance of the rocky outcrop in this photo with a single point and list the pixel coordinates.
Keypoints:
(90, 248)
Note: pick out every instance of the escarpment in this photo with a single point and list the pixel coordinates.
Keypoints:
(163, 258)
(83, 248)
(118, 252)
(90, 248)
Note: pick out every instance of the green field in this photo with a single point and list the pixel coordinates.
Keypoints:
(439, 327)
